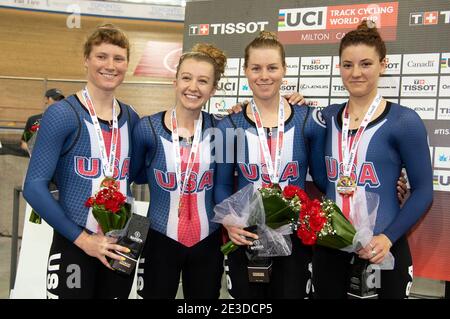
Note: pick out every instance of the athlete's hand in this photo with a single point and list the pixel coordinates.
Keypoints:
(402, 188)
(295, 98)
(237, 235)
(237, 108)
(100, 246)
(377, 249)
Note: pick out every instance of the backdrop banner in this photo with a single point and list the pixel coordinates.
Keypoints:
(417, 75)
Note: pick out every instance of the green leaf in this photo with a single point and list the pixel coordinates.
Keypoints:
(111, 221)
(345, 231)
(277, 210)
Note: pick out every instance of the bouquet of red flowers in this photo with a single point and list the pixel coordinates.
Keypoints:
(273, 210)
(324, 224)
(109, 206)
(31, 131)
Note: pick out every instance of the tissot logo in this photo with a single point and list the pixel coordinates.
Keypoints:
(393, 64)
(424, 86)
(337, 88)
(315, 66)
(288, 85)
(443, 110)
(429, 18)
(227, 28)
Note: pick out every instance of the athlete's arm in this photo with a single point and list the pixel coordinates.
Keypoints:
(57, 124)
(225, 160)
(411, 139)
(143, 148)
(224, 176)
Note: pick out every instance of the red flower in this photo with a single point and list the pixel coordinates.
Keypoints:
(89, 202)
(34, 128)
(302, 196)
(290, 191)
(119, 197)
(112, 205)
(308, 237)
(316, 222)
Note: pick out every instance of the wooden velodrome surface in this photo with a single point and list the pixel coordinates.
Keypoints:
(40, 45)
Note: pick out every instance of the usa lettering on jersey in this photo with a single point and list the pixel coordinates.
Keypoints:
(367, 174)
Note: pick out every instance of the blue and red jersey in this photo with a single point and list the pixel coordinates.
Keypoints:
(188, 222)
(396, 139)
(303, 148)
(67, 152)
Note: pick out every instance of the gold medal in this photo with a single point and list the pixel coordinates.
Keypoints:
(346, 185)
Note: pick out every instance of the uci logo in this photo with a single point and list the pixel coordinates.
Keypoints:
(302, 19)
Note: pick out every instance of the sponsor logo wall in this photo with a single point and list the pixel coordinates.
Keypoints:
(417, 65)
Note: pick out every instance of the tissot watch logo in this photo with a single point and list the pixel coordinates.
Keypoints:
(227, 28)
(424, 86)
(443, 109)
(429, 18)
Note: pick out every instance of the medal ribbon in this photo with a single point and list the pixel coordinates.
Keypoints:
(107, 164)
(177, 153)
(272, 169)
(348, 156)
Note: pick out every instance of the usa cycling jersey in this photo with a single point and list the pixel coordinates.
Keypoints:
(395, 139)
(67, 151)
(153, 156)
(303, 147)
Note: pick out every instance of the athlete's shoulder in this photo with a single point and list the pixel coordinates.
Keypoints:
(65, 110)
(332, 109)
(133, 113)
(156, 116)
(404, 112)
